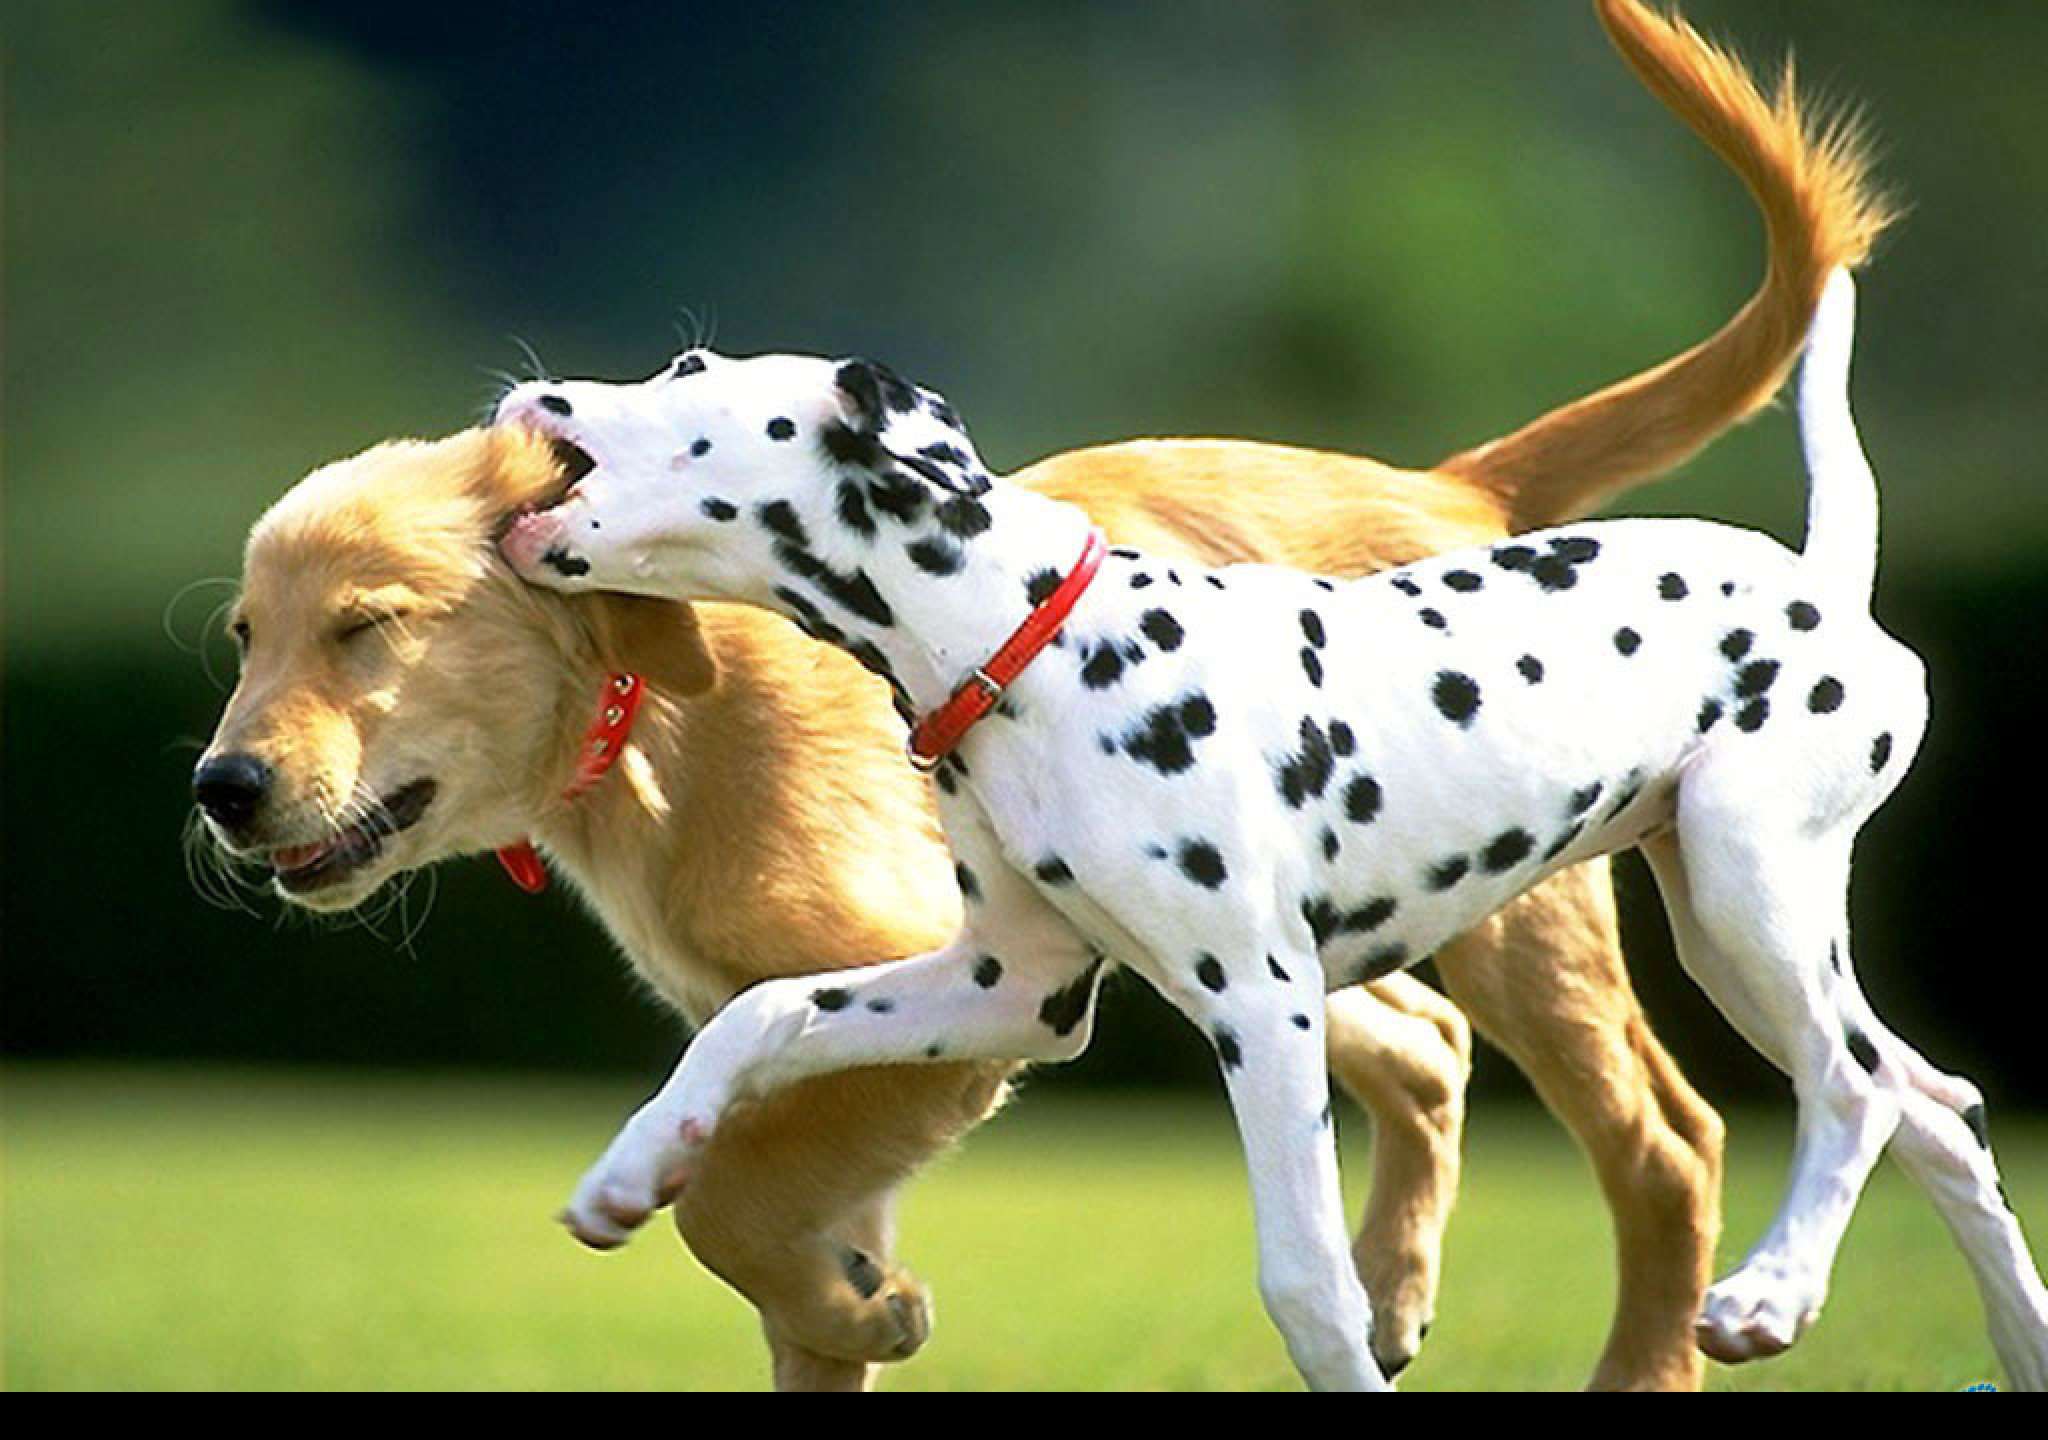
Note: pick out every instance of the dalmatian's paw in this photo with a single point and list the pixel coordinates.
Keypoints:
(1757, 1312)
(644, 1170)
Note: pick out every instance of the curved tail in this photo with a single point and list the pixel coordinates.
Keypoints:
(1841, 495)
(1809, 175)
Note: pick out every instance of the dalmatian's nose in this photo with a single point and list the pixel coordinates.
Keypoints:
(231, 788)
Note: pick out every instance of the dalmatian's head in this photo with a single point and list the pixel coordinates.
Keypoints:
(719, 478)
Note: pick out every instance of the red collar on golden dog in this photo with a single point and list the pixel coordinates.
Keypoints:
(617, 704)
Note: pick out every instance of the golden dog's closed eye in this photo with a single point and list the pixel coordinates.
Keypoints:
(364, 612)
(355, 626)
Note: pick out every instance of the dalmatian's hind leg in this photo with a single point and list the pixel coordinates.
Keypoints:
(1944, 1146)
(1755, 924)
(1941, 1142)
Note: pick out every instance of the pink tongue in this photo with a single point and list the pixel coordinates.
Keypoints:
(530, 537)
(297, 857)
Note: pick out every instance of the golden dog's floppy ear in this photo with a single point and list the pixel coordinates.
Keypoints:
(658, 640)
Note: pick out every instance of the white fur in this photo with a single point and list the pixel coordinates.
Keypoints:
(1252, 786)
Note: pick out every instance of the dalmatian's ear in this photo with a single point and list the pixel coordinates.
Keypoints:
(903, 426)
(871, 395)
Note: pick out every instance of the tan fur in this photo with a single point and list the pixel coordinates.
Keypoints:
(1810, 180)
(764, 822)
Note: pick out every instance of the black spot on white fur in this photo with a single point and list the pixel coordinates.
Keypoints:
(936, 555)
(1446, 873)
(1456, 697)
(1506, 850)
(1103, 667)
(1066, 1007)
(1306, 773)
(1228, 1050)
(1165, 738)
(1362, 799)
(1203, 863)
(1162, 629)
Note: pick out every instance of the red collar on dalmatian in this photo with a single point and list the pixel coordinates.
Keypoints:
(934, 737)
(603, 743)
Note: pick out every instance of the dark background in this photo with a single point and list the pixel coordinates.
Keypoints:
(245, 238)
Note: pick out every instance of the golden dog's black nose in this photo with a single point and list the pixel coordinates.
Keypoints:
(230, 789)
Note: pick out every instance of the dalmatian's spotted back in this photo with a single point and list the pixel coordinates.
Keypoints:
(1368, 767)
(1251, 785)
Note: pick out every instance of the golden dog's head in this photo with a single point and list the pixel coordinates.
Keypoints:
(403, 697)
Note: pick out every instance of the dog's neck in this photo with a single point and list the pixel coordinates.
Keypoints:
(617, 841)
(924, 602)
(670, 847)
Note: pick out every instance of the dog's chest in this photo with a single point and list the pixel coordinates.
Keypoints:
(1387, 759)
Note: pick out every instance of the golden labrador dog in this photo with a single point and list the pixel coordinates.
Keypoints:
(403, 699)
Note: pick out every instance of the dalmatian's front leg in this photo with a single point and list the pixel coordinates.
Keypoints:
(1280, 1094)
(1266, 1023)
(1017, 983)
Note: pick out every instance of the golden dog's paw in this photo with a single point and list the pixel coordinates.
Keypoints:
(893, 1318)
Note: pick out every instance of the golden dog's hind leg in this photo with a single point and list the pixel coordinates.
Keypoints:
(1544, 980)
(1404, 1053)
(790, 1205)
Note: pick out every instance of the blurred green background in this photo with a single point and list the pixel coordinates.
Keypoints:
(243, 237)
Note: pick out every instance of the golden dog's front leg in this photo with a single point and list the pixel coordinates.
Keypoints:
(1405, 1053)
(791, 1206)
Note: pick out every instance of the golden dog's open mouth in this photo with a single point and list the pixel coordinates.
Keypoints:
(301, 869)
(573, 461)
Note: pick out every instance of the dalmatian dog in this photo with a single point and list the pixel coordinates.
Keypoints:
(1253, 786)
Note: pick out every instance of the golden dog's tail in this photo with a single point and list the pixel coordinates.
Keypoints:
(1809, 175)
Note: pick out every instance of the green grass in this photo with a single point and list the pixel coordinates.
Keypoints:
(164, 1229)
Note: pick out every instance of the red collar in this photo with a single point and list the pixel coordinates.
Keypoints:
(603, 743)
(934, 737)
